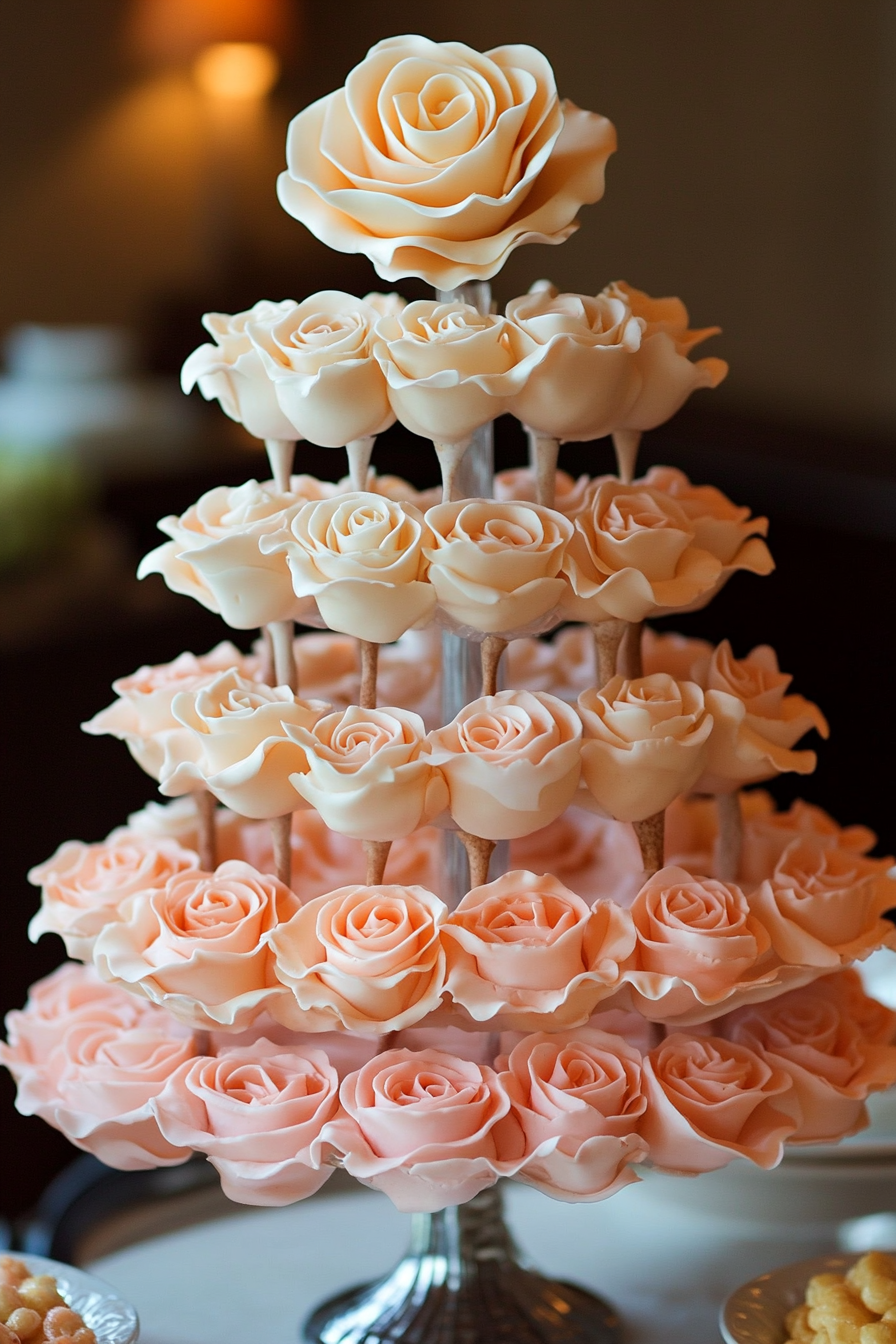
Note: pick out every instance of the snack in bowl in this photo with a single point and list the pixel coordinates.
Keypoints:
(834, 1299)
(33, 1310)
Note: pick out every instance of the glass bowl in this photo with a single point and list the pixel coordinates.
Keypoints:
(755, 1312)
(109, 1316)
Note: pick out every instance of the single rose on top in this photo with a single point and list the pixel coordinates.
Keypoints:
(231, 371)
(525, 952)
(511, 762)
(436, 160)
(257, 1113)
(198, 946)
(318, 355)
(495, 567)
(360, 556)
(578, 1099)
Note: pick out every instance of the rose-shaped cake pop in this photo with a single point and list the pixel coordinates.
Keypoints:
(318, 355)
(578, 1100)
(645, 742)
(321, 859)
(361, 557)
(876, 1022)
(395, 488)
(257, 1113)
(525, 952)
(214, 553)
(364, 958)
(199, 947)
(232, 371)
(767, 834)
(84, 887)
(368, 773)
(674, 654)
(495, 567)
(668, 376)
(709, 1101)
(596, 858)
(238, 745)
(436, 160)
(755, 723)
(425, 1127)
(178, 820)
(520, 483)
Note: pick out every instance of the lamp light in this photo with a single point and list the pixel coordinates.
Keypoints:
(171, 31)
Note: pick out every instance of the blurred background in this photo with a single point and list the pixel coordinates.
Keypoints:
(140, 142)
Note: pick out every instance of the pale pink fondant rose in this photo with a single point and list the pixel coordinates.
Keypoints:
(257, 1113)
(360, 556)
(519, 483)
(238, 746)
(577, 1097)
(436, 160)
(232, 371)
(645, 743)
(395, 488)
(199, 947)
(582, 379)
(495, 567)
(672, 653)
(709, 1101)
(755, 723)
(563, 666)
(327, 667)
(321, 859)
(84, 887)
(449, 367)
(318, 355)
(141, 716)
(525, 952)
(410, 674)
(368, 773)
(511, 762)
(364, 958)
(768, 833)
(599, 859)
(668, 376)
(215, 555)
(178, 821)
(426, 1128)
(809, 1034)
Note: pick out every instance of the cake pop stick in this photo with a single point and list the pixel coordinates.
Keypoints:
(376, 853)
(202, 1042)
(359, 451)
(206, 804)
(479, 853)
(450, 456)
(630, 656)
(285, 671)
(370, 654)
(731, 836)
(280, 455)
(626, 442)
(651, 833)
(491, 648)
(543, 453)
(607, 638)
(281, 834)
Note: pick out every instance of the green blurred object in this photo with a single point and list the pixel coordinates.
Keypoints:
(43, 495)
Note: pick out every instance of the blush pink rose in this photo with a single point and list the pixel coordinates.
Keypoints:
(562, 666)
(178, 821)
(84, 887)
(525, 951)
(711, 1100)
(257, 1113)
(577, 1097)
(425, 1128)
(199, 946)
(365, 958)
(321, 859)
(597, 858)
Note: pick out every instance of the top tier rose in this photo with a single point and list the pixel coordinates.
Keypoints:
(436, 160)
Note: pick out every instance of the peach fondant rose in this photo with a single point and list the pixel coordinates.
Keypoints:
(577, 1097)
(436, 160)
(257, 1114)
(672, 653)
(425, 1128)
(527, 951)
(318, 355)
(199, 947)
(645, 742)
(141, 716)
(495, 567)
(596, 857)
(519, 483)
(232, 371)
(767, 834)
(511, 762)
(360, 556)
(84, 887)
(365, 958)
(321, 859)
(875, 1021)
(178, 820)
(709, 1101)
(238, 745)
(368, 773)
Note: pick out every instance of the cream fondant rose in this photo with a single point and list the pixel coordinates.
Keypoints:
(583, 377)
(257, 1113)
(577, 1097)
(511, 762)
(519, 483)
(238, 747)
(198, 947)
(495, 567)
(368, 773)
(364, 958)
(709, 1101)
(436, 160)
(214, 554)
(84, 887)
(645, 742)
(318, 355)
(231, 371)
(360, 556)
(396, 488)
(525, 951)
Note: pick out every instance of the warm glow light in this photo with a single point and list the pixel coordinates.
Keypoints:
(236, 70)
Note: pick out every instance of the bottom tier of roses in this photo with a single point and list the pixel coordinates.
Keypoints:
(427, 1121)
